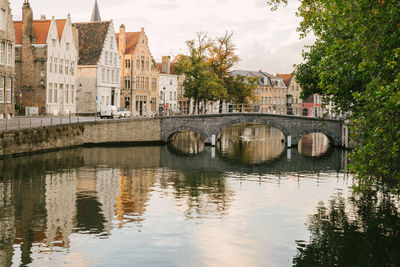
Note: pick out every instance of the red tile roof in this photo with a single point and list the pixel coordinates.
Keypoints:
(286, 78)
(91, 41)
(41, 29)
(132, 39)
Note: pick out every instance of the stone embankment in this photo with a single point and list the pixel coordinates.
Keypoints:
(28, 141)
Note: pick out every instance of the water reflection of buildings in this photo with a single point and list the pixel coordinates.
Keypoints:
(188, 143)
(134, 190)
(252, 143)
(314, 144)
(6, 224)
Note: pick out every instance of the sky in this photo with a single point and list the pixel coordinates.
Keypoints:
(265, 40)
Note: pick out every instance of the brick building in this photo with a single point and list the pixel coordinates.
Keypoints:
(7, 62)
(45, 62)
(139, 73)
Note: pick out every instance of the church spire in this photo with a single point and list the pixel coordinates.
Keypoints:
(96, 13)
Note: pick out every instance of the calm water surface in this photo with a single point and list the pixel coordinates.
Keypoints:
(248, 202)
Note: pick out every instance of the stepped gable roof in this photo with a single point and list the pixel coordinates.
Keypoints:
(91, 41)
(132, 38)
(41, 29)
(286, 78)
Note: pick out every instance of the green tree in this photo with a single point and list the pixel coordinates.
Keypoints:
(240, 89)
(222, 59)
(355, 64)
(201, 82)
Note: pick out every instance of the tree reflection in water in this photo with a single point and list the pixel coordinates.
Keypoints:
(364, 231)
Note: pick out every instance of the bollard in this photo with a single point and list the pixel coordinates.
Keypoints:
(289, 154)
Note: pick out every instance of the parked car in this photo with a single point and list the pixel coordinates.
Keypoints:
(110, 112)
(123, 113)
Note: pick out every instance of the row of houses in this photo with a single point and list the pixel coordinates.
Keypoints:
(55, 66)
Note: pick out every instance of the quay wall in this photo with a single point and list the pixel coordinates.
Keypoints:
(28, 141)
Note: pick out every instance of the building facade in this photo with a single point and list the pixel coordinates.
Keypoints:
(139, 74)
(7, 61)
(270, 94)
(294, 102)
(98, 67)
(312, 106)
(45, 59)
(168, 87)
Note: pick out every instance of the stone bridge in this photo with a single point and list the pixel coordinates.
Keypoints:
(296, 127)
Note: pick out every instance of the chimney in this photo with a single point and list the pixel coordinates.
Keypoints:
(122, 39)
(166, 64)
(27, 22)
(43, 17)
(142, 29)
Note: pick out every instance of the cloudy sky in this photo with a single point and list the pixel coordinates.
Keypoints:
(265, 40)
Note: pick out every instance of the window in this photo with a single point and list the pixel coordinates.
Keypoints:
(106, 58)
(61, 66)
(116, 77)
(66, 67)
(72, 94)
(67, 46)
(50, 93)
(67, 94)
(53, 41)
(55, 94)
(8, 89)
(170, 95)
(72, 70)
(50, 65)
(153, 84)
(108, 75)
(115, 59)
(142, 63)
(2, 19)
(147, 65)
(1, 89)
(127, 82)
(2, 52)
(103, 75)
(137, 64)
(55, 65)
(112, 75)
(142, 82)
(127, 63)
(137, 82)
(174, 95)
(9, 54)
(147, 83)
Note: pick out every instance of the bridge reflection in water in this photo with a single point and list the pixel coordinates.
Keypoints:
(250, 143)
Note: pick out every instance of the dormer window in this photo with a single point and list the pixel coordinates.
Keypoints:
(67, 46)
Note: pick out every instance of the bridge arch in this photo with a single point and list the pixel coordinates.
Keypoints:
(333, 139)
(168, 135)
(259, 120)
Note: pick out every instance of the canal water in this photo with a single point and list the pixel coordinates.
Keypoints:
(247, 202)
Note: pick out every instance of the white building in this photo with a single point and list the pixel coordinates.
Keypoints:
(46, 57)
(169, 92)
(62, 58)
(99, 66)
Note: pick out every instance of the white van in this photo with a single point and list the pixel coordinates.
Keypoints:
(108, 112)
